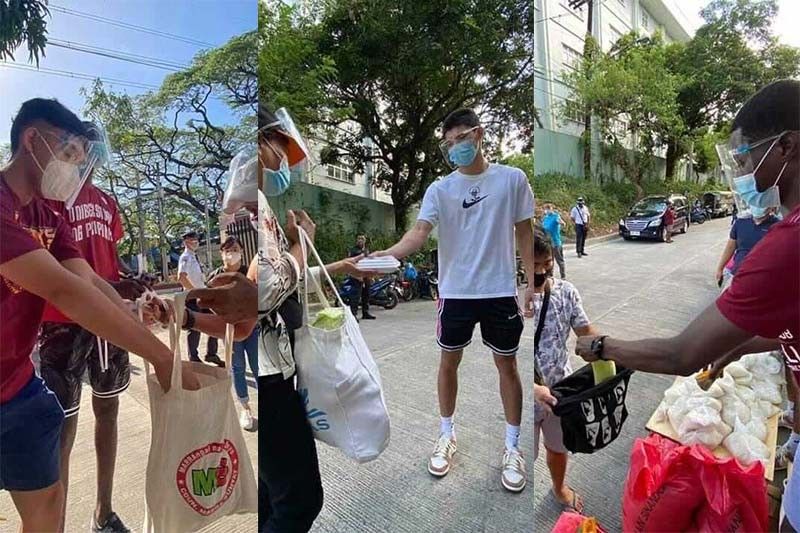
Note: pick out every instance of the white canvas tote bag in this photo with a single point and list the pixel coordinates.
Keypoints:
(339, 380)
(198, 467)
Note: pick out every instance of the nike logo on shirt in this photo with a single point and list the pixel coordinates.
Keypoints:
(467, 205)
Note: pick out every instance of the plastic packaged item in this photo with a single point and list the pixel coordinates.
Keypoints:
(603, 371)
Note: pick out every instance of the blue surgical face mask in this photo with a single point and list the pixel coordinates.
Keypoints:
(277, 181)
(758, 212)
(747, 187)
(463, 153)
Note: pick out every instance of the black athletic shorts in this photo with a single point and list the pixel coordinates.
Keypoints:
(500, 319)
(67, 352)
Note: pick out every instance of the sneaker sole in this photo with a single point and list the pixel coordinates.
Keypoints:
(435, 473)
(511, 488)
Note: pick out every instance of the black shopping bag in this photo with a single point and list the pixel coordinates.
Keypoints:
(591, 415)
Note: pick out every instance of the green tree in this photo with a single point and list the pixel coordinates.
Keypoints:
(23, 21)
(730, 57)
(391, 70)
(632, 94)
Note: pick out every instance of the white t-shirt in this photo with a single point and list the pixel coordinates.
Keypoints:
(476, 217)
(580, 215)
(189, 264)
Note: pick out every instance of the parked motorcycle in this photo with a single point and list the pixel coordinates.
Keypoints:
(427, 285)
(404, 288)
(382, 292)
(698, 214)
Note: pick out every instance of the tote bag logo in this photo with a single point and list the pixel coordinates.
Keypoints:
(316, 417)
(207, 476)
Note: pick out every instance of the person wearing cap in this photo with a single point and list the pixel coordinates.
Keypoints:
(759, 312)
(244, 351)
(190, 275)
(580, 217)
(40, 263)
(67, 351)
(362, 287)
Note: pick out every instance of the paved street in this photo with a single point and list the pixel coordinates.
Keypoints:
(632, 290)
(134, 443)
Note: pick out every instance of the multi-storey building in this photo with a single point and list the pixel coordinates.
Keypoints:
(559, 33)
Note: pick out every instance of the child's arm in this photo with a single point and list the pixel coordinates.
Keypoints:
(542, 395)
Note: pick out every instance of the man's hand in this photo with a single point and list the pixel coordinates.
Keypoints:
(349, 266)
(718, 275)
(527, 302)
(299, 219)
(231, 295)
(544, 397)
(129, 289)
(189, 378)
(583, 348)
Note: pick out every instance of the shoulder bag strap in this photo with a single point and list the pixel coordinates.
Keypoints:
(537, 377)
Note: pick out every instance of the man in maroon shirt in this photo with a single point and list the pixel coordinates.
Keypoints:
(669, 220)
(67, 351)
(39, 262)
(761, 310)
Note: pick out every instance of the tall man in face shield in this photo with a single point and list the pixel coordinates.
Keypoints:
(39, 263)
(761, 310)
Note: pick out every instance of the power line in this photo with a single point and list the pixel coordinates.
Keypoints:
(120, 56)
(128, 26)
(76, 75)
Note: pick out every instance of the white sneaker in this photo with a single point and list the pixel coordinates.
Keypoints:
(246, 420)
(514, 477)
(442, 457)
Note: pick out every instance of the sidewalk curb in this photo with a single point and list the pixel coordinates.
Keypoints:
(595, 240)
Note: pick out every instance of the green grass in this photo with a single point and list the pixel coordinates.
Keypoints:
(607, 203)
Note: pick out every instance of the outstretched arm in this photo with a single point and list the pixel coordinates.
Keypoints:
(413, 240)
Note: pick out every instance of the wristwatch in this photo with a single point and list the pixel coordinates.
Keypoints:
(597, 347)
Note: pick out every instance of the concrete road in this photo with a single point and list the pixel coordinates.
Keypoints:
(395, 493)
(129, 481)
(633, 290)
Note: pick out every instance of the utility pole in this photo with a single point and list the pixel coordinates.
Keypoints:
(161, 233)
(587, 56)
(141, 259)
(208, 238)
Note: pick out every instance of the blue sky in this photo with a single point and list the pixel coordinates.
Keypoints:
(211, 21)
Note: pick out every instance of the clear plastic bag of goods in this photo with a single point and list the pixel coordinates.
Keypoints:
(745, 446)
(330, 318)
(603, 371)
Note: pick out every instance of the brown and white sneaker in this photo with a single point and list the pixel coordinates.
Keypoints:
(514, 476)
(442, 457)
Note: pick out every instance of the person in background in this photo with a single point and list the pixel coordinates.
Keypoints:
(669, 220)
(580, 217)
(246, 351)
(190, 275)
(552, 224)
(67, 351)
(744, 235)
(360, 250)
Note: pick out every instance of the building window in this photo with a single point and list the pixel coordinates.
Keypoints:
(645, 20)
(571, 57)
(578, 12)
(622, 3)
(616, 35)
(572, 111)
(340, 173)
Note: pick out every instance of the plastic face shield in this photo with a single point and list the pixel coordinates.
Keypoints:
(445, 145)
(98, 155)
(740, 157)
(241, 190)
(298, 149)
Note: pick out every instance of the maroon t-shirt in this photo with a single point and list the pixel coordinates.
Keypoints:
(24, 229)
(669, 216)
(96, 228)
(764, 298)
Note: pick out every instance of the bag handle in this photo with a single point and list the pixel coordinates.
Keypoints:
(537, 374)
(179, 303)
(307, 244)
(229, 335)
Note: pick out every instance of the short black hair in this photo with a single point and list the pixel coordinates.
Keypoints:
(265, 115)
(46, 110)
(230, 241)
(460, 117)
(92, 131)
(191, 235)
(771, 111)
(542, 245)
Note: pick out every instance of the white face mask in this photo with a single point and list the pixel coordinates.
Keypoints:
(60, 180)
(232, 258)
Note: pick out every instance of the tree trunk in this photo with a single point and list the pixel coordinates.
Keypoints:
(400, 218)
(673, 154)
(587, 119)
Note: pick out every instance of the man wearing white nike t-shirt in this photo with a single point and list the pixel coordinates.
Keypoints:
(478, 209)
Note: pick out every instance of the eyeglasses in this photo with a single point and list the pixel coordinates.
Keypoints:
(447, 144)
(69, 148)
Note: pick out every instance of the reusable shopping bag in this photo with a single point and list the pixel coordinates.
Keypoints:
(338, 378)
(198, 467)
(591, 415)
(675, 488)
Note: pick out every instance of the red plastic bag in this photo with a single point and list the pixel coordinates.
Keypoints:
(671, 487)
(570, 522)
(661, 492)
